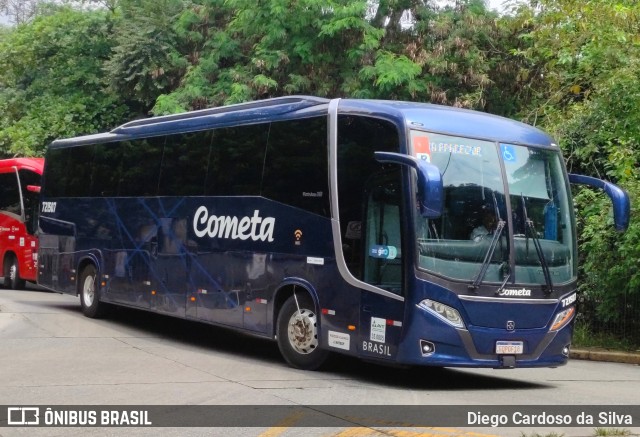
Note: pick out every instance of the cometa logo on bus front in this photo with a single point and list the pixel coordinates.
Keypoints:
(525, 292)
(234, 228)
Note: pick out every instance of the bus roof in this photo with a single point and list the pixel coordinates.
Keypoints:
(426, 116)
(454, 121)
(34, 164)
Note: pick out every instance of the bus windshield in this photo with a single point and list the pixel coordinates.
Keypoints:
(506, 216)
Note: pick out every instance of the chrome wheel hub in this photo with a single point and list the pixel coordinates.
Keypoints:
(302, 332)
(88, 291)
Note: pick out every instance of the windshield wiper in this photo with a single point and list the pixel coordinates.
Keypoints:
(507, 276)
(492, 247)
(536, 242)
(487, 257)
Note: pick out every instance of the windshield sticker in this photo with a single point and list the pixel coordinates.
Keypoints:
(385, 252)
(354, 230)
(378, 329)
(457, 149)
(421, 148)
(508, 153)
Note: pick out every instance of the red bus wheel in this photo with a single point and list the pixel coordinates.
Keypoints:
(12, 278)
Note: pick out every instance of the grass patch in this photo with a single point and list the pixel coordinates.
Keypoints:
(598, 432)
(535, 434)
(584, 336)
(607, 432)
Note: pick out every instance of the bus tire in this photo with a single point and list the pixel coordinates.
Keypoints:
(89, 299)
(11, 272)
(297, 334)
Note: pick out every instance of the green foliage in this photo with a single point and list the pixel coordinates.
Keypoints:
(252, 50)
(391, 71)
(609, 273)
(457, 50)
(51, 82)
(145, 61)
(238, 50)
(587, 94)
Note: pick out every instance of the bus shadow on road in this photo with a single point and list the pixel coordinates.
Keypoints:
(428, 378)
(190, 333)
(219, 339)
(193, 334)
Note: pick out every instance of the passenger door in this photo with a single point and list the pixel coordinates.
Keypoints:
(370, 212)
(381, 314)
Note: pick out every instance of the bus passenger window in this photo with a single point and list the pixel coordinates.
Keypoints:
(9, 195)
(295, 171)
(236, 161)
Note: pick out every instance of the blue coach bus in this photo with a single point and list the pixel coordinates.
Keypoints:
(399, 232)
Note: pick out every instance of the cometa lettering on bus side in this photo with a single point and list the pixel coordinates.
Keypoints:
(234, 228)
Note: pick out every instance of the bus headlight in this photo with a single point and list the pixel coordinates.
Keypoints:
(442, 311)
(562, 318)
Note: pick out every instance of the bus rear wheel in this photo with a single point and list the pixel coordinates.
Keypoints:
(11, 272)
(89, 299)
(297, 334)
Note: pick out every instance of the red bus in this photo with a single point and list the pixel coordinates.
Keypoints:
(19, 188)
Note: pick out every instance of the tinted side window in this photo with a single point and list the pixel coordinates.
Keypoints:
(78, 171)
(68, 171)
(28, 177)
(296, 165)
(140, 169)
(54, 163)
(106, 170)
(363, 179)
(9, 195)
(358, 139)
(184, 164)
(236, 161)
(30, 198)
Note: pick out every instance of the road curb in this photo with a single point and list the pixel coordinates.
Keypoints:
(604, 355)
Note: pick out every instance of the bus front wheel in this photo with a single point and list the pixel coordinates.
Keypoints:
(89, 300)
(297, 333)
(11, 272)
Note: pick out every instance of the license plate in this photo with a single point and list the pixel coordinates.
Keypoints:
(509, 347)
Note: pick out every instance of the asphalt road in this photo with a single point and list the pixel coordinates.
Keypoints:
(52, 355)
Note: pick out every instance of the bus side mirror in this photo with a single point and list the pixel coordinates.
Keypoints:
(430, 190)
(33, 188)
(619, 198)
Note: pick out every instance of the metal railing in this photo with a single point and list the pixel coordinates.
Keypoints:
(617, 328)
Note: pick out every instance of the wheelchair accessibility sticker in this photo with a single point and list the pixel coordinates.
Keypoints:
(508, 153)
